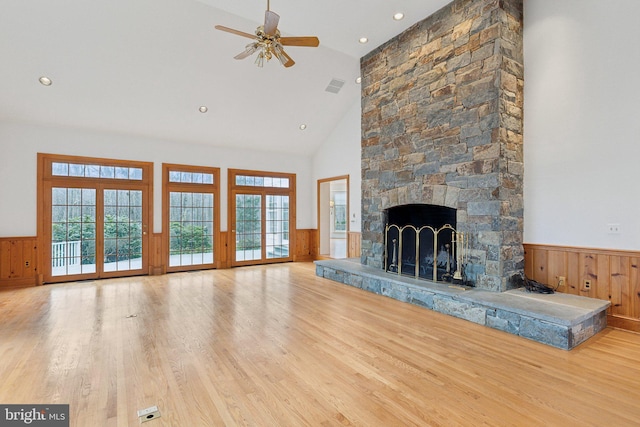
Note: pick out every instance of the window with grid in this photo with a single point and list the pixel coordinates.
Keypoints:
(190, 200)
(261, 215)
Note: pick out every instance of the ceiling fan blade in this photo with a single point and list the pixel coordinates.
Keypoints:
(290, 62)
(236, 32)
(300, 41)
(271, 20)
(250, 50)
(282, 55)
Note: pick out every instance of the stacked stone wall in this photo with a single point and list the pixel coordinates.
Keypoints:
(442, 124)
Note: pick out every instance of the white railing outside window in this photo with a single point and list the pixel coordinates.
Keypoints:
(66, 253)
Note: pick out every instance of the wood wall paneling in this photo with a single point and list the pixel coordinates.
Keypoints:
(354, 245)
(305, 247)
(223, 260)
(157, 262)
(610, 275)
(18, 261)
(573, 273)
(634, 288)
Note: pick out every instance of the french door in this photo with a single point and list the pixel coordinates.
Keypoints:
(93, 226)
(261, 217)
(190, 205)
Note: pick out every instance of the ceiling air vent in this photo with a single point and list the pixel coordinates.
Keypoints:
(335, 85)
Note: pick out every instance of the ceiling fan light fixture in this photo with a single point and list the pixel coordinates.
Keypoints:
(260, 59)
(251, 48)
(277, 51)
(268, 41)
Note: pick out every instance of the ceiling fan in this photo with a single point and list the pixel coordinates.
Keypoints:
(267, 41)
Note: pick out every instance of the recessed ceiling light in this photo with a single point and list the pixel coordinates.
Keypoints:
(203, 109)
(363, 40)
(398, 16)
(303, 126)
(358, 80)
(46, 81)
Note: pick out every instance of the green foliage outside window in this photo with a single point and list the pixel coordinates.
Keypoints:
(122, 239)
(189, 239)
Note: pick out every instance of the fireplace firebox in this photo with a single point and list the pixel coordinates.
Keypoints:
(421, 240)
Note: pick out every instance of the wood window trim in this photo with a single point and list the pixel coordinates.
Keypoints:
(289, 191)
(167, 187)
(45, 176)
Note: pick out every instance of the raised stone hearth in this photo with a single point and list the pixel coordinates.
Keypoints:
(558, 320)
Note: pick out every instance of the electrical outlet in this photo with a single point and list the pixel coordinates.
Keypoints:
(562, 281)
(614, 228)
(587, 284)
(27, 263)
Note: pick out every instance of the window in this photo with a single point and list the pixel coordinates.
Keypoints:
(190, 203)
(93, 215)
(261, 213)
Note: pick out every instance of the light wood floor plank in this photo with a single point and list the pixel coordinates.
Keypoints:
(277, 346)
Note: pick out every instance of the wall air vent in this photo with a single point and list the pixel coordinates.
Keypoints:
(335, 85)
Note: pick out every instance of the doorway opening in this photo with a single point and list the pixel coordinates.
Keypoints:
(333, 217)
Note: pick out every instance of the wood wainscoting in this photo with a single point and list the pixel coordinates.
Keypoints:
(157, 264)
(306, 245)
(605, 274)
(355, 238)
(224, 257)
(19, 262)
(19, 255)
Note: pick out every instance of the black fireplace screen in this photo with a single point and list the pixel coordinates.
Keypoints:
(422, 241)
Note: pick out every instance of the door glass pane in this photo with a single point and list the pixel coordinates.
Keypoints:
(248, 227)
(191, 228)
(340, 211)
(277, 227)
(73, 231)
(122, 230)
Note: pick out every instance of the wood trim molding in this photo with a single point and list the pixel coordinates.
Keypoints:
(319, 204)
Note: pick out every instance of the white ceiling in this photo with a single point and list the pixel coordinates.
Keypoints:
(143, 67)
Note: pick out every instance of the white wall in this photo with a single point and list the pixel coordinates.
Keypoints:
(340, 155)
(20, 143)
(582, 122)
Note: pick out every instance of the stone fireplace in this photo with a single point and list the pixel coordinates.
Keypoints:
(442, 125)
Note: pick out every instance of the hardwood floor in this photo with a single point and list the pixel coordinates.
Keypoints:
(277, 346)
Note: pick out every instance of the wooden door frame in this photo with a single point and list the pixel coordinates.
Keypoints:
(167, 187)
(45, 179)
(234, 189)
(318, 204)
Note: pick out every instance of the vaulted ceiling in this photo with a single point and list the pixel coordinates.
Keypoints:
(144, 67)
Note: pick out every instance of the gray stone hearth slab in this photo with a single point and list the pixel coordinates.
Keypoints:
(559, 320)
